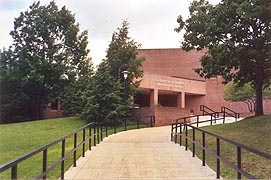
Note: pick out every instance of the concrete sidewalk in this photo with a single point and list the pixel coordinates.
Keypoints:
(220, 121)
(139, 154)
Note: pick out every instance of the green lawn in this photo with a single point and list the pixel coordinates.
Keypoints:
(20, 138)
(254, 132)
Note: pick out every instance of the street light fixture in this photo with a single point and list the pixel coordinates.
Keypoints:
(125, 75)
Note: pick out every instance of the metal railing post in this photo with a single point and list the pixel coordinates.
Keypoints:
(197, 121)
(125, 124)
(63, 161)
(193, 145)
(137, 123)
(175, 135)
(94, 135)
(74, 152)
(217, 159)
(101, 132)
(186, 141)
(181, 134)
(14, 171)
(239, 166)
(106, 130)
(98, 134)
(84, 143)
(172, 132)
(90, 138)
(211, 119)
(224, 116)
(203, 150)
(115, 129)
(44, 162)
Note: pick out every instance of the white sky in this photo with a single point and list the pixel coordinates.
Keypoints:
(152, 22)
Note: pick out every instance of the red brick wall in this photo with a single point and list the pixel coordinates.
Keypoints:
(214, 99)
(267, 105)
(163, 115)
(49, 113)
(143, 111)
(171, 62)
(177, 62)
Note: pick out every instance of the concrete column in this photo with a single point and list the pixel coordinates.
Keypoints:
(153, 97)
(181, 100)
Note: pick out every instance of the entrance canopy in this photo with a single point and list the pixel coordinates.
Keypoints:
(160, 90)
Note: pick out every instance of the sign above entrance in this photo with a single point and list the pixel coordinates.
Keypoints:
(169, 83)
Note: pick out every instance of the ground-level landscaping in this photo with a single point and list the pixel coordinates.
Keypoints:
(21, 138)
(254, 132)
(18, 139)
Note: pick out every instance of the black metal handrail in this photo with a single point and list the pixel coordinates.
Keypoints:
(210, 111)
(216, 154)
(213, 118)
(95, 133)
(229, 112)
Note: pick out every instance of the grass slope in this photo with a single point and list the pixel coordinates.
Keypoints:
(20, 138)
(254, 132)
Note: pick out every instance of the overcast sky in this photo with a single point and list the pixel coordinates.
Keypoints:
(152, 22)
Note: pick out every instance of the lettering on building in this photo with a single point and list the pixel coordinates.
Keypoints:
(169, 83)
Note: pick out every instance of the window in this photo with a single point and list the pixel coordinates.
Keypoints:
(54, 105)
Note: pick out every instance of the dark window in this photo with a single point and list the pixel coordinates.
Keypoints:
(54, 105)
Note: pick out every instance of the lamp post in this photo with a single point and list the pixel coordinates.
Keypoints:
(125, 75)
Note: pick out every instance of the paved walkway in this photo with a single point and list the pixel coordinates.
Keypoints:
(139, 154)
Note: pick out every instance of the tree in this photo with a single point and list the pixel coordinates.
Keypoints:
(236, 93)
(102, 98)
(122, 56)
(48, 53)
(104, 94)
(236, 36)
(246, 93)
(12, 97)
(72, 99)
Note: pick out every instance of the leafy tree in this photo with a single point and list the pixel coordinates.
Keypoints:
(48, 53)
(246, 93)
(12, 96)
(236, 93)
(122, 56)
(236, 36)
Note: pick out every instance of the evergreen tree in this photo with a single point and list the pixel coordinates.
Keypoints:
(122, 56)
(103, 97)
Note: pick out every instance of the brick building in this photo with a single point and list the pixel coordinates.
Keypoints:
(170, 88)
